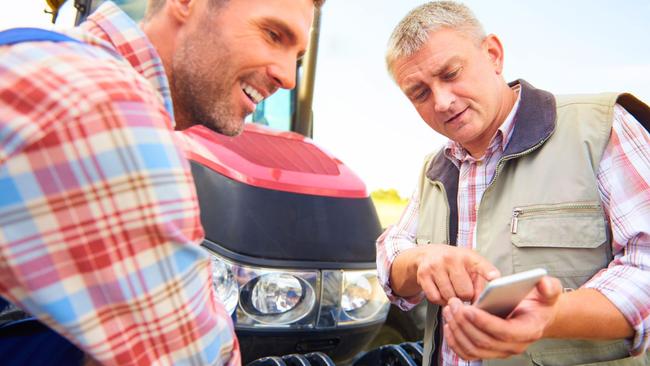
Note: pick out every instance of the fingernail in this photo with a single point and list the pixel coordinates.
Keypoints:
(493, 274)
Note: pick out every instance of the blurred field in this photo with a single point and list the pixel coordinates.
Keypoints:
(389, 205)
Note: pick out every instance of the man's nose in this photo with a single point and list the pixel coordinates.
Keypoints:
(283, 72)
(443, 98)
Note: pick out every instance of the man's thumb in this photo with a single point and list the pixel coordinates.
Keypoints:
(550, 288)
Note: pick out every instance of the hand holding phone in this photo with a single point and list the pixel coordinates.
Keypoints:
(502, 295)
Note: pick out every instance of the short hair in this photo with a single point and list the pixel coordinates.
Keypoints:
(413, 31)
(154, 6)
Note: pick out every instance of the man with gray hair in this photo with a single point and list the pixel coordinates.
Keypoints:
(527, 179)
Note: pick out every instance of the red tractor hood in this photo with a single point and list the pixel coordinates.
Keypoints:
(266, 158)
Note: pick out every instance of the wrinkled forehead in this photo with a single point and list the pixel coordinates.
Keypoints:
(442, 46)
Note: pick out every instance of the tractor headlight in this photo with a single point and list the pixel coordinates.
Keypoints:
(288, 298)
(275, 293)
(266, 296)
(277, 298)
(225, 284)
(362, 298)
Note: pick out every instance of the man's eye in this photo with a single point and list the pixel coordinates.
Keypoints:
(452, 74)
(420, 95)
(275, 37)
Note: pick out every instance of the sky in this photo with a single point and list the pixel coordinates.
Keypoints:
(360, 116)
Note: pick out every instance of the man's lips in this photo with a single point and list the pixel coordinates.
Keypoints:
(456, 117)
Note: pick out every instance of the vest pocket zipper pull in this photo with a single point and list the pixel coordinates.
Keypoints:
(515, 218)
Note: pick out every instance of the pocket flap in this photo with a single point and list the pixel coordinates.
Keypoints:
(550, 227)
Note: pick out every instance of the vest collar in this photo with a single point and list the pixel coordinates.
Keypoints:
(534, 123)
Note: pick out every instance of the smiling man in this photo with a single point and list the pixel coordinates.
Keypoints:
(527, 179)
(223, 57)
(99, 221)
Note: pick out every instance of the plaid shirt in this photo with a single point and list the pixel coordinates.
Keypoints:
(624, 187)
(99, 221)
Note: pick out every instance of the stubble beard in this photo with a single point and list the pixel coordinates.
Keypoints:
(201, 87)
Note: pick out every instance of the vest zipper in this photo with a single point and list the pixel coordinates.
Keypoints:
(515, 218)
(498, 171)
(518, 211)
(514, 156)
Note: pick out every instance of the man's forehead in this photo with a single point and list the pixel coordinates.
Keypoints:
(420, 64)
(295, 20)
(436, 53)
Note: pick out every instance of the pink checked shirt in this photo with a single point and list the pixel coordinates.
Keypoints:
(99, 221)
(624, 186)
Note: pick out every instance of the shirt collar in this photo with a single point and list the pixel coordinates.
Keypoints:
(458, 154)
(110, 27)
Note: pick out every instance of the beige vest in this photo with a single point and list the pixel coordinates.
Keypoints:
(542, 209)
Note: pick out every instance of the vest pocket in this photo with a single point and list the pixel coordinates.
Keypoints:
(568, 239)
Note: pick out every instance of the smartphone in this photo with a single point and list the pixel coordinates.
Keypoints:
(502, 295)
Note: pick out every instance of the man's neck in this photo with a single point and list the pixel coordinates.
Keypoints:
(507, 103)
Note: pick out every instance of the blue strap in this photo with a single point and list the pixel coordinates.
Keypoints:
(3, 304)
(19, 35)
(29, 342)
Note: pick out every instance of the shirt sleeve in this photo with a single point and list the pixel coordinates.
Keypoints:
(100, 227)
(394, 240)
(623, 183)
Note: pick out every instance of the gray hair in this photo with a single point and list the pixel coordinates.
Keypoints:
(413, 31)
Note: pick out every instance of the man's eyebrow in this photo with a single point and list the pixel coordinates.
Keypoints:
(436, 72)
(445, 66)
(413, 88)
(282, 27)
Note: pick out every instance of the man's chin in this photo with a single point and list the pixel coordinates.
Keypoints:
(232, 128)
(234, 132)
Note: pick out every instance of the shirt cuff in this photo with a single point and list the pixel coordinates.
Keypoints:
(404, 303)
(628, 288)
(383, 273)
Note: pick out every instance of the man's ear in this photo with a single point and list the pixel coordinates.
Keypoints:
(180, 10)
(492, 46)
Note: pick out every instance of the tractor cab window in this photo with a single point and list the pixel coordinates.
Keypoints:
(275, 111)
(135, 8)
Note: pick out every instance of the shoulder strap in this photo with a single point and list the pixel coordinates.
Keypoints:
(637, 108)
(19, 35)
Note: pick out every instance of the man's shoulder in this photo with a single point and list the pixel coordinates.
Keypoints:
(65, 71)
(600, 99)
(47, 84)
(602, 105)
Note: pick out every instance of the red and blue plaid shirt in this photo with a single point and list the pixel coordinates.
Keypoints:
(99, 221)
(624, 187)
